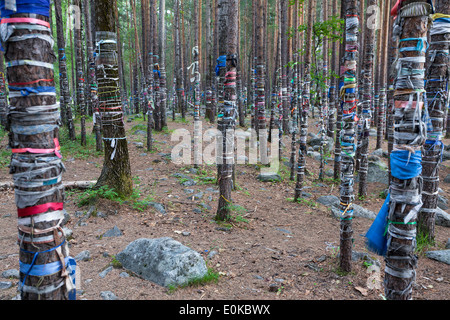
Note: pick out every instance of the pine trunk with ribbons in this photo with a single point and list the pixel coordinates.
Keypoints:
(80, 78)
(227, 112)
(437, 77)
(411, 26)
(367, 99)
(66, 110)
(116, 172)
(347, 134)
(304, 112)
(36, 165)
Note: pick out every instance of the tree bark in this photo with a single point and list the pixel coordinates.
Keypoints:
(436, 87)
(228, 36)
(347, 140)
(369, 54)
(66, 109)
(116, 172)
(409, 136)
(301, 167)
(36, 163)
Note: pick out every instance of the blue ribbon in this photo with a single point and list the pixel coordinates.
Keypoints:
(41, 7)
(221, 63)
(406, 165)
(25, 91)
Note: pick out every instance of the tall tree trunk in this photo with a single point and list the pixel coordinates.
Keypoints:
(116, 172)
(92, 80)
(162, 62)
(36, 163)
(66, 110)
(178, 62)
(228, 36)
(260, 101)
(209, 67)
(348, 142)
(4, 108)
(436, 87)
(369, 54)
(406, 158)
(301, 167)
(324, 106)
(284, 66)
(79, 58)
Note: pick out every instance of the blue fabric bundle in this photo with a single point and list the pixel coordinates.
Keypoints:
(376, 240)
(406, 165)
(221, 63)
(41, 7)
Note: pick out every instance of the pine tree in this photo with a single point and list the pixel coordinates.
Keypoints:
(436, 87)
(116, 172)
(36, 163)
(228, 36)
(406, 158)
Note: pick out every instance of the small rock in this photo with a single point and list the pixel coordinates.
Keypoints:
(83, 256)
(5, 285)
(124, 275)
(108, 295)
(269, 177)
(188, 191)
(328, 200)
(11, 274)
(447, 179)
(439, 255)
(211, 254)
(105, 272)
(273, 287)
(114, 232)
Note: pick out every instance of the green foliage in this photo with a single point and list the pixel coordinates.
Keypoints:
(211, 276)
(74, 149)
(91, 195)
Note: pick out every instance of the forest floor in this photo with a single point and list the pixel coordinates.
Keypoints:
(274, 249)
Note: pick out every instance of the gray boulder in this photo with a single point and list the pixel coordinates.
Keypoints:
(439, 255)
(358, 211)
(377, 172)
(328, 200)
(163, 261)
(269, 177)
(442, 218)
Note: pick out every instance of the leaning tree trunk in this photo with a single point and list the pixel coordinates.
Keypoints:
(437, 94)
(66, 109)
(36, 163)
(116, 173)
(305, 106)
(369, 47)
(228, 35)
(347, 136)
(406, 157)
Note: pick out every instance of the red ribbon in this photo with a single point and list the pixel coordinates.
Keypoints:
(41, 208)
